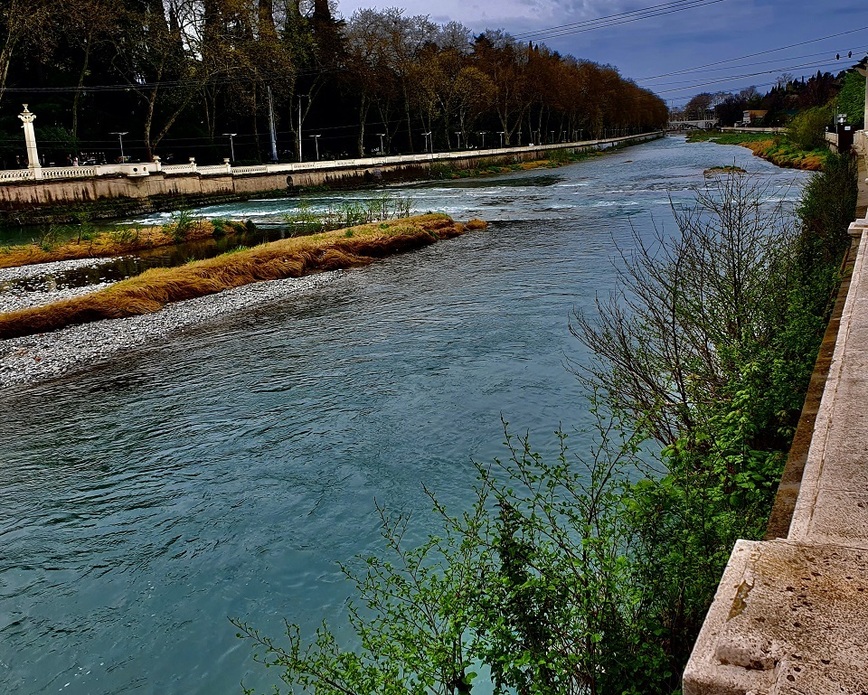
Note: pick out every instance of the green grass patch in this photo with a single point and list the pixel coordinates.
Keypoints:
(777, 149)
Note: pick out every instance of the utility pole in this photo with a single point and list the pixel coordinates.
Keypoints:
(271, 127)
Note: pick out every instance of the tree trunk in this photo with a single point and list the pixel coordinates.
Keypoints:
(81, 76)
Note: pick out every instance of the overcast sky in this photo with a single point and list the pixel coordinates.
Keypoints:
(708, 43)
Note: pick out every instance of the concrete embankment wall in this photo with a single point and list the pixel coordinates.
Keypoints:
(131, 190)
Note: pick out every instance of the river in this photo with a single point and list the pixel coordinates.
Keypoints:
(227, 471)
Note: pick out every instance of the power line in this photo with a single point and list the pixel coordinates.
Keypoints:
(779, 69)
(743, 76)
(763, 62)
(617, 19)
(753, 55)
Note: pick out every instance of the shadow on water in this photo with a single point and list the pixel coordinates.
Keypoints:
(123, 267)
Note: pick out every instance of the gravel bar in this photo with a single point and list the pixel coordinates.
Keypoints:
(13, 299)
(40, 270)
(77, 348)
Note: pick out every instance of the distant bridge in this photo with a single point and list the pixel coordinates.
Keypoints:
(704, 124)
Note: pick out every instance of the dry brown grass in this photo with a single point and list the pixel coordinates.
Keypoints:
(114, 243)
(286, 258)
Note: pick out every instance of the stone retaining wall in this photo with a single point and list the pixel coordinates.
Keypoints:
(114, 190)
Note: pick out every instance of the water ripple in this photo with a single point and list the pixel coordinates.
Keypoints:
(224, 474)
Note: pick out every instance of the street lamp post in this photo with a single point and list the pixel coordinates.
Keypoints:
(458, 135)
(381, 136)
(551, 136)
(231, 137)
(427, 147)
(316, 142)
(501, 134)
(482, 135)
(120, 135)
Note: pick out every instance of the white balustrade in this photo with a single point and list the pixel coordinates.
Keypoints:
(16, 175)
(211, 170)
(261, 169)
(55, 173)
(178, 168)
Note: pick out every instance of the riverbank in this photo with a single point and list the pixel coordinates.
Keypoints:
(48, 356)
(776, 149)
(49, 248)
(63, 330)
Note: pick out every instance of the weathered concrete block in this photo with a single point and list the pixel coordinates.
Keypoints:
(787, 618)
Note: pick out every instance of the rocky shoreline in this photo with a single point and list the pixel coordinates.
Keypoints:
(51, 355)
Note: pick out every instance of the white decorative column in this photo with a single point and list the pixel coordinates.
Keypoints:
(33, 164)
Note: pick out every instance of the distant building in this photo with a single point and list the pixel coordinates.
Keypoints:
(752, 115)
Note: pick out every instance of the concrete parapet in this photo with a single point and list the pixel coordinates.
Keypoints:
(791, 615)
(788, 618)
(106, 188)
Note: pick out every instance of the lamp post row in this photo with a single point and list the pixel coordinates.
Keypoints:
(28, 117)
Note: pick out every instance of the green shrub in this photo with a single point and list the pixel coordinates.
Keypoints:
(807, 129)
(851, 99)
(180, 225)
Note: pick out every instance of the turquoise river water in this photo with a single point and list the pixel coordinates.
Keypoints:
(227, 471)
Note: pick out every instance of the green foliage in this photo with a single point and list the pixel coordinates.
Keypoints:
(851, 99)
(593, 574)
(219, 226)
(807, 128)
(561, 156)
(49, 238)
(305, 220)
(122, 235)
(180, 225)
(86, 230)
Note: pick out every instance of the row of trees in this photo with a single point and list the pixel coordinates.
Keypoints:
(179, 75)
(843, 93)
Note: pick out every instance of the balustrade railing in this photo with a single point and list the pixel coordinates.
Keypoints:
(55, 173)
(16, 175)
(68, 172)
(178, 168)
(260, 169)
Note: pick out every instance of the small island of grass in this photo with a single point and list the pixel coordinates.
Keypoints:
(729, 169)
(287, 258)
